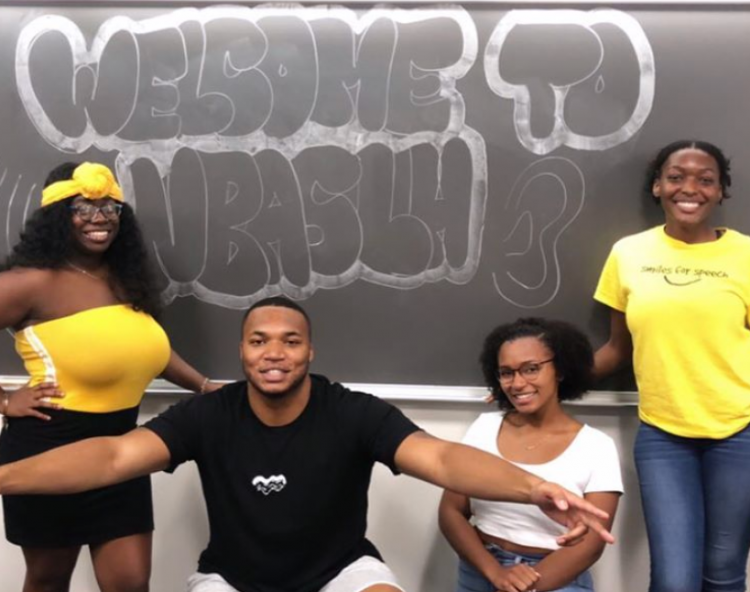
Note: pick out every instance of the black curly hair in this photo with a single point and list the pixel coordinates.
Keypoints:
(654, 168)
(573, 357)
(46, 243)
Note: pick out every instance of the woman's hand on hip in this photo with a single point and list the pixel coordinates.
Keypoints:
(30, 401)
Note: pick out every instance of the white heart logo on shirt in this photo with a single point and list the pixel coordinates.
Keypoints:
(270, 484)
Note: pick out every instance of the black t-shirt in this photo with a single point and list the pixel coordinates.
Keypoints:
(287, 506)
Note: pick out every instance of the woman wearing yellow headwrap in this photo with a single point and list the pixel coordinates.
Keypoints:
(80, 297)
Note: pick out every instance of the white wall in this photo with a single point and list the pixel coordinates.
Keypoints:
(403, 520)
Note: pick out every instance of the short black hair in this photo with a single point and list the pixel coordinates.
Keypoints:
(571, 350)
(281, 301)
(654, 168)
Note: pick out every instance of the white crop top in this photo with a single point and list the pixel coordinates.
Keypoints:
(590, 463)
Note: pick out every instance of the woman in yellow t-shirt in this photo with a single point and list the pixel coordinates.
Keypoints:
(80, 297)
(680, 296)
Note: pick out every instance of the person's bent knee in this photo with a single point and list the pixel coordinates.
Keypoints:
(134, 582)
(122, 578)
(48, 578)
(366, 574)
(46, 582)
(200, 582)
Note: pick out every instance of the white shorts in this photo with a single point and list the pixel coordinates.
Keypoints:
(360, 575)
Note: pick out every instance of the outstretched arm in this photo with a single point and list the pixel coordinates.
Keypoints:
(619, 348)
(87, 464)
(478, 474)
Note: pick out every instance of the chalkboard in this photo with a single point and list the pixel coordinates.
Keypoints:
(412, 174)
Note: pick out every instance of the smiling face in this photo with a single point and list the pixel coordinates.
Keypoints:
(276, 352)
(96, 235)
(688, 188)
(528, 394)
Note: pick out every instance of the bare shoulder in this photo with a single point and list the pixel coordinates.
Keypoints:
(20, 289)
(25, 282)
(572, 424)
(29, 275)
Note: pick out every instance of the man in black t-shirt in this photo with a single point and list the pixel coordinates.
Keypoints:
(285, 460)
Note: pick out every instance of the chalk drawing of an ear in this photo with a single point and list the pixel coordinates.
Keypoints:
(542, 204)
(536, 57)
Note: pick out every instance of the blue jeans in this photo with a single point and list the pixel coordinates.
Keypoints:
(470, 580)
(696, 501)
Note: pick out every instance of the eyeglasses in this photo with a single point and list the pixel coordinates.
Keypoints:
(528, 371)
(87, 211)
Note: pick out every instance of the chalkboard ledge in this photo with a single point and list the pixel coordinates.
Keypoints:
(399, 392)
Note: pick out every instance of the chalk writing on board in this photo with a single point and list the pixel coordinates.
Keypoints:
(287, 149)
(15, 200)
(579, 28)
(248, 137)
(228, 78)
(543, 202)
(278, 225)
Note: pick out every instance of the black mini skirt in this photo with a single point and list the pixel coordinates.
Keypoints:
(88, 518)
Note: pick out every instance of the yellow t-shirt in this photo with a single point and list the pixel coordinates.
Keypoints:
(687, 307)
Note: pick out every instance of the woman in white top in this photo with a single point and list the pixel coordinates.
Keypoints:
(530, 366)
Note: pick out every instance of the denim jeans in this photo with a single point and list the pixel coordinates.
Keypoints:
(696, 501)
(470, 580)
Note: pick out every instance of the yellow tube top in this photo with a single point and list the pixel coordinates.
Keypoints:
(102, 358)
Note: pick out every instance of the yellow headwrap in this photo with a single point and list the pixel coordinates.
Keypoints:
(90, 180)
